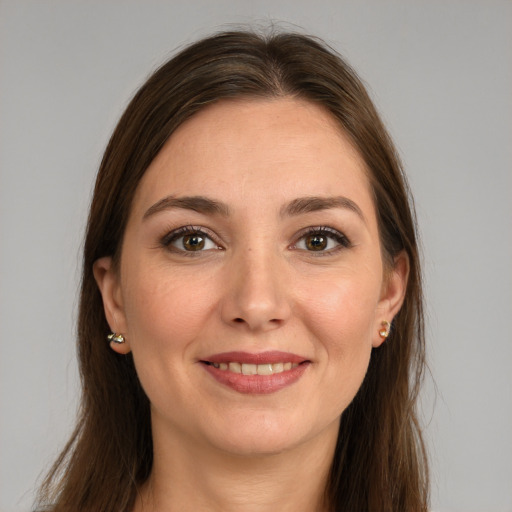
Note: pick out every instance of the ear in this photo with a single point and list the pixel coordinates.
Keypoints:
(107, 280)
(392, 294)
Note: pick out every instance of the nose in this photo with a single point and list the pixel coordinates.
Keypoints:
(256, 297)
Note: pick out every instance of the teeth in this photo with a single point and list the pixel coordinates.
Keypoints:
(255, 369)
(249, 369)
(235, 367)
(277, 368)
(265, 369)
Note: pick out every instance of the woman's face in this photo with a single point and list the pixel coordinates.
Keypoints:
(252, 247)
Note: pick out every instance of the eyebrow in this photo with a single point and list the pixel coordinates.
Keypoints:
(310, 204)
(296, 207)
(199, 204)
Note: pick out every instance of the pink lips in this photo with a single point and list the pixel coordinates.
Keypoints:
(256, 384)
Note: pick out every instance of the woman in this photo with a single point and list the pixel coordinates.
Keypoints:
(250, 326)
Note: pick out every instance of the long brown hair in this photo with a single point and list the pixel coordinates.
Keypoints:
(380, 462)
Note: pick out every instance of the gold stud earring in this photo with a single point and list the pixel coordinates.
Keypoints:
(116, 338)
(384, 331)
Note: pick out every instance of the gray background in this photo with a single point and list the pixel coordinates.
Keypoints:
(441, 74)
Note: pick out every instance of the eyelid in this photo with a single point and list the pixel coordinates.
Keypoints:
(341, 239)
(173, 235)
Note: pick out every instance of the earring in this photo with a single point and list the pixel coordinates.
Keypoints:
(115, 338)
(384, 331)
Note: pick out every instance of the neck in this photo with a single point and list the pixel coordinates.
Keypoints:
(190, 477)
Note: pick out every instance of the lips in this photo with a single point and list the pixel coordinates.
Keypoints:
(254, 369)
(261, 373)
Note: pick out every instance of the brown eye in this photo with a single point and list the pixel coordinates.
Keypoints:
(193, 242)
(189, 239)
(323, 240)
(316, 242)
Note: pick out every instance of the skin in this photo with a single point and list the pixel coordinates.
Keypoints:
(255, 287)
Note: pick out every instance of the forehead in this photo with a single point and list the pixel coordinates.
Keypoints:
(257, 149)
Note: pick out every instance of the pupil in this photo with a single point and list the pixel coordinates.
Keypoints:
(316, 242)
(193, 242)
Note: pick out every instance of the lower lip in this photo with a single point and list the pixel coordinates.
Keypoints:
(257, 384)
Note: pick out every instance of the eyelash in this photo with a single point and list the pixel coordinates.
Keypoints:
(342, 241)
(176, 234)
(328, 232)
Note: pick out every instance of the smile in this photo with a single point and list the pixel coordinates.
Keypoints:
(261, 373)
(254, 369)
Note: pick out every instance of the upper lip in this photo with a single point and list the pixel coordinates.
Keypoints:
(269, 357)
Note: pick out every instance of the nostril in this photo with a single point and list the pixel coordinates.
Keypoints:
(239, 320)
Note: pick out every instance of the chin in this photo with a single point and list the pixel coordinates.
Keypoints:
(257, 445)
(265, 436)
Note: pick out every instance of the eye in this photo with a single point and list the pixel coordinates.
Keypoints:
(189, 239)
(322, 239)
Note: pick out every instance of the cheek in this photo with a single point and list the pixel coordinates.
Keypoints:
(165, 311)
(164, 318)
(342, 320)
(343, 307)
